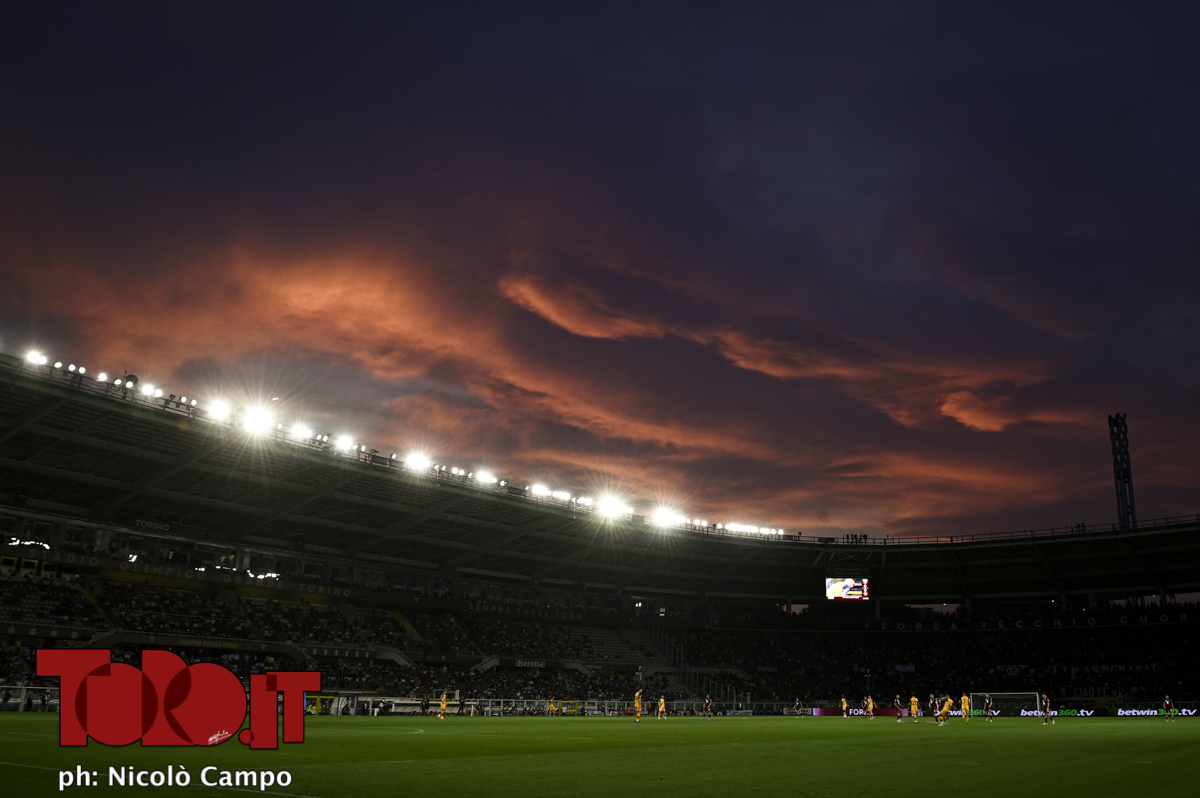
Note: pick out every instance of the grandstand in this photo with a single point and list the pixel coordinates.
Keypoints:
(130, 520)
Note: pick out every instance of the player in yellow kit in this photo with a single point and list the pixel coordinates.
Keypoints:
(662, 707)
(966, 708)
(637, 706)
(914, 708)
(845, 708)
(945, 713)
(442, 710)
(552, 706)
(870, 708)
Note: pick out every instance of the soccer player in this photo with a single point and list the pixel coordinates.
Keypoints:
(1046, 719)
(899, 709)
(845, 708)
(870, 708)
(637, 706)
(945, 713)
(914, 708)
(933, 710)
(551, 713)
(863, 705)
(966, 708)
(798, 708)
(708, 707)
(987, 707)
(662, 707)
(1168, 709)
(442, 710)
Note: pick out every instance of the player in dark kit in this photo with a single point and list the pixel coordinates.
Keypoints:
(798, 708)
(899, 709)
(1168, 709)
(987, 707)
(708, 707)
(1046, 719)
(933, 707)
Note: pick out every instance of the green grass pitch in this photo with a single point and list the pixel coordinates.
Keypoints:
(733, 756)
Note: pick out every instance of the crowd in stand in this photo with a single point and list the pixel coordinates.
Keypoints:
(150, 608)
(525, 640)
(46, 600)
(444, 632)
(301, 623)
(1140, 660)
(380, 628)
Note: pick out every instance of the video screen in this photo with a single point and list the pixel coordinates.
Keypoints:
(847, 588)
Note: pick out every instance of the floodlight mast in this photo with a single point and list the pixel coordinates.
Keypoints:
(1118, 433)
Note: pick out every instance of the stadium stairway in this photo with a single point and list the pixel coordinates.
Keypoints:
(95, 602)
(250, 624)
(408, 627)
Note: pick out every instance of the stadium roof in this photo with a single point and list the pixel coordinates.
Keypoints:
(75, 446)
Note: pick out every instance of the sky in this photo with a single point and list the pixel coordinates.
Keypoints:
(878, 268)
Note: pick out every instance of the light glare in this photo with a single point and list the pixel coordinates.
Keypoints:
(258, 420)
(665, 516)
(611, 507)
(218, 410)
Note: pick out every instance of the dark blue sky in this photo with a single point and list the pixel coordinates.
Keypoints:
(864, 267)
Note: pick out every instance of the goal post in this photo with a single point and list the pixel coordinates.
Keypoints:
(1009, 705)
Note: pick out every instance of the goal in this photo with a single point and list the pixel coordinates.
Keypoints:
(1009, 705)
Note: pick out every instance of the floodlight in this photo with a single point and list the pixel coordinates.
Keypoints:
(218, 410)
(158, 394)
(665, 516)
(302, 432)
(82, 370)
(540, 490)
(102, 377)
(117, 381)
(344, 444)
(484, 476)
(610, 507)
(183, 400)
(258, 420)
(586, 502)
(193, 403)
(34, 358)
(69, 368)
(147, 389)
(417, 462)
(561, 495)
(58, 364)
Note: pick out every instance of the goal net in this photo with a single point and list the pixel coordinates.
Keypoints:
(1008, 705)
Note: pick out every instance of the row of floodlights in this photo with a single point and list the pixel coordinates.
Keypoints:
(260, 420)
(129, 382)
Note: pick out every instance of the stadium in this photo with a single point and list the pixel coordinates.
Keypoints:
(134, 521)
